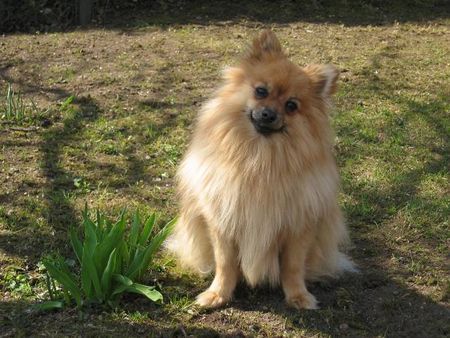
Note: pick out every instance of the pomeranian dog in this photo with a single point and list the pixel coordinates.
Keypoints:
(259, 183)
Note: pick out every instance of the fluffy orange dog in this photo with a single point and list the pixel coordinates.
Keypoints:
(259, 182)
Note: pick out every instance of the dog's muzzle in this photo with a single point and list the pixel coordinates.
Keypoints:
(266, 121)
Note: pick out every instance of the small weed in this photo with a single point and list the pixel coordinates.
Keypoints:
(109, 148)
(14, 107)
(138, 317)
(81, 185)
(16, 282)
(66, 105)
(181, 302)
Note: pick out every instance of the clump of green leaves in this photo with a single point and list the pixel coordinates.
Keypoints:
(16, 281)
(111, 257)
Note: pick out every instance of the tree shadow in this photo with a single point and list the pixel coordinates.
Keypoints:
(137, 165)
(60, 181)
(164, 14)
(251, 13)
(21, 319)
(58, 212)
(29, 86)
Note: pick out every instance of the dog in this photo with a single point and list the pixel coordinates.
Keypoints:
(258, 184)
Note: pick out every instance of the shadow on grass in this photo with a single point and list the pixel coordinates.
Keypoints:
(398, 141)
(60, 181)
(162, 113)
(251, 13)
(29, 239)
(20, 320)
(137, 165)
(254, 13)
(367, 304)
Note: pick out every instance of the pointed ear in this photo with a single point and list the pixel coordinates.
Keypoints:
(266, 44)
(323, 79)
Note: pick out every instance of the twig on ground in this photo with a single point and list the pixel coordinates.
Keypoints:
(24, 129)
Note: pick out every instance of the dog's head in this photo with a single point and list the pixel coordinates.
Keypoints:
(278, 94)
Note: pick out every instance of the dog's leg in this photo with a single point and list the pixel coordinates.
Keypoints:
(293, 270)
(226, 274)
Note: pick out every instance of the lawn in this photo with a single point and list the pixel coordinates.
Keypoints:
(114, 106)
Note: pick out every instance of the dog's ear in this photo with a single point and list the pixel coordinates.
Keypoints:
(323, 79)
(266, 44)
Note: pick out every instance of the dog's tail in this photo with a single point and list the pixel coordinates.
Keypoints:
(345, 264)
(190, 242)
(326, 258)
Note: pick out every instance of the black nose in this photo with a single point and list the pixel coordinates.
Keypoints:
(268, 115)
(266, 121)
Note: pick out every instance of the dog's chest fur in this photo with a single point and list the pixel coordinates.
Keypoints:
(254, 199)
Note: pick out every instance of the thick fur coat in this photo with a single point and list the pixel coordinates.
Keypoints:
(263, 205)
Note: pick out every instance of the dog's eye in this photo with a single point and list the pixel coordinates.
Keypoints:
(261, 92)
(291, 106)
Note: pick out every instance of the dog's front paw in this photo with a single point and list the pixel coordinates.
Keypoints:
(211, 299)
(303, 301)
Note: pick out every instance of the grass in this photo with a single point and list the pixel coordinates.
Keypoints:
(118, 140)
